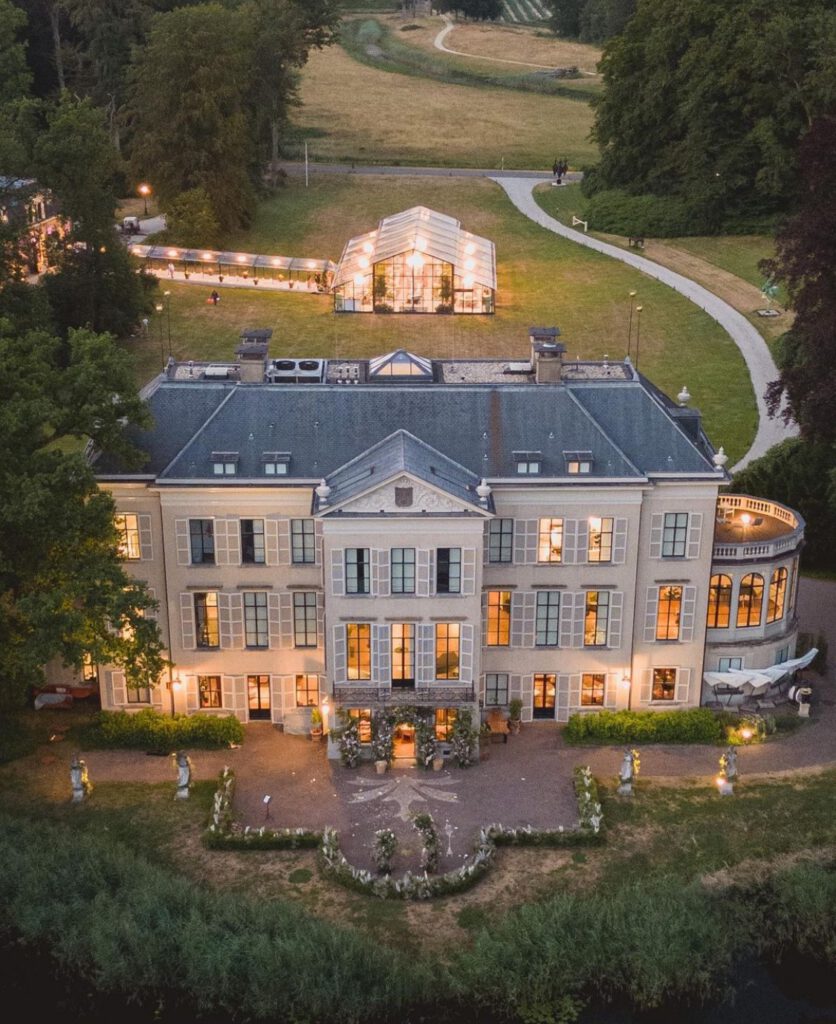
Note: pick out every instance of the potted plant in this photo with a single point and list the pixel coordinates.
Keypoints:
(316, 723)
(514, 712)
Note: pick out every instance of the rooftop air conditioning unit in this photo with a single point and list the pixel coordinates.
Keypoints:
(281, 371)
(310, 371)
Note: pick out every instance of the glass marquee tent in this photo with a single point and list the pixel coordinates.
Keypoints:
(417, 261)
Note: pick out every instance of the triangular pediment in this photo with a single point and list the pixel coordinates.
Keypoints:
(404, 494)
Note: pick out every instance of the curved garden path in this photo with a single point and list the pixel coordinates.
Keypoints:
(752, 346)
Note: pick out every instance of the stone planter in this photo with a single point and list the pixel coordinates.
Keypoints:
(514, 726)
(438, 763)
(380, 767)
(316, 735)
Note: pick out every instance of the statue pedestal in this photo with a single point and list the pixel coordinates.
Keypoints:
(625, 789)
(182, 793)
(725, 788)
(803, 710)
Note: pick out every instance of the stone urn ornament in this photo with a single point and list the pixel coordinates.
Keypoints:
(381, 766)
(184, 774)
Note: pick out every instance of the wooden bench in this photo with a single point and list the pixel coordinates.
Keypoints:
(635, 242)
(498, 725)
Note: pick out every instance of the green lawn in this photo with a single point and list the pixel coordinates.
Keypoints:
(542, 279)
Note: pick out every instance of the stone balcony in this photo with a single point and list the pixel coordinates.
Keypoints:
(357, 695)
(754, 529)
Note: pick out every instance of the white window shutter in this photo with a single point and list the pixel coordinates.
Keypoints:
(577, 619)
(187, 621)
(683, 685)
(611, 684)
(225, 621)
(562, 698)
(650, 611)
(523, 617)
(340, 654)
(338, 572)
(567, 614)
(239, 697)
(574, 691)
(466, 653)
(289, 693)
(233, 540)
(146, 544)
(694, 534)
(484, 604)
(181, 536)
(374, 565)
(688, 616)
(469, 571)
(157, 697)
(283, 538)
(383, 571)
(657, 528)
(221, 532)
(276, 702)
(381, 655)
(619, 542)
(425, 650)
(486, 543)
(228, 692)
(582, 542)
(317, 542)
(525, 541)
(192, 696)
(514, 687)
(527, 697)
(616, 612)
(286, 630)
(236, 622)
(569, 555)
(432, 571)
(422, 573)
(118, 689)
(647, 686)
(271, 541)
(274, 621)
(320, 619)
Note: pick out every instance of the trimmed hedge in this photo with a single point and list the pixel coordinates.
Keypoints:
(698, 725)
(654, 216)
(160, 734)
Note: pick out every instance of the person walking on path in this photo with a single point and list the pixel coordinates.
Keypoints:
(171, 271)
(215, 297)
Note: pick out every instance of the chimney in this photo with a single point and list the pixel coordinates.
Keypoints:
(252, 354)
(546, 354)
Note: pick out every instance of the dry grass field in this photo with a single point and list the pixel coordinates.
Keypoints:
(353, 112)
(542, 279)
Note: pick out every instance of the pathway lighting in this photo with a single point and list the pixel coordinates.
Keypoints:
(145, 191)
(632, 296)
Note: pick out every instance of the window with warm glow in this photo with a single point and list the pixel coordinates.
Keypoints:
(668, 613)
(363, 718)
(599, 545)
(664, 684)
(209, 690)
(750, 600)
(358, 636)
(127, 524)
(545, 689)
(403, 653)
(447, 650)
(444, 719)
(719, 601)
(592, 689)
(498, 626)
(550, 541)
(596, 618)
(307, 691)
(206, 619)
(777, 591)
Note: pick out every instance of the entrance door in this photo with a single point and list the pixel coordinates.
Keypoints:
(258, 697)
(545, 687)
(404, 740)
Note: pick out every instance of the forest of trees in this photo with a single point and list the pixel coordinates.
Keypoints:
(590, 21)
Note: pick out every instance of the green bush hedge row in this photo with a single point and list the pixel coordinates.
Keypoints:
(160, 734)
(697, 725)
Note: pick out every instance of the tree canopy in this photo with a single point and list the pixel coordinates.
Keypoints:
(591, 21)
(708, 100)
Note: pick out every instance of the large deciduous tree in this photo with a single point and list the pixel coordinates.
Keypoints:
(707, 100)
(806, 262)
(63, 591)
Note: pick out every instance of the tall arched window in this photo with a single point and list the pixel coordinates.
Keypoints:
(750, 600)
(777, 590)
(719, 601)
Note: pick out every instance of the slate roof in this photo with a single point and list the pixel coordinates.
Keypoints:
(401, 453)
(624, 424)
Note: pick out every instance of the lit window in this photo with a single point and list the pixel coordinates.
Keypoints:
(592, 689)
(777, 590)
(447, 650)
(545, 688)
(206, 619)
(719, 601)
(750, 600)
(359, 650)
(667, 616)
(209, 689)
(403, 654)
(550, 541)
(363, 717)
(127, 526)
(578, 462)
(444, 719)
(664, 684)
(599, 545)
(675, 535)
(307, 691)
(498, 627)
(596, 618)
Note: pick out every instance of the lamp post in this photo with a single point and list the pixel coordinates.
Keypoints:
(159, 308)
(638, 332)
(630, 322)
(145, 190)
(168, 318)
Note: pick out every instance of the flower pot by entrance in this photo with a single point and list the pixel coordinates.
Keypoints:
(381, 766)
(438, 763)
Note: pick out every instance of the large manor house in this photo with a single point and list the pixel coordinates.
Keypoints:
(404, 531)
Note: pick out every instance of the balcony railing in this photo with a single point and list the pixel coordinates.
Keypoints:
(729, 505)
(349, 694)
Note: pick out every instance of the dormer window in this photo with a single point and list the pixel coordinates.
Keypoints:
(224, 463)
(276, 463)
(578, 462)
(528, 463)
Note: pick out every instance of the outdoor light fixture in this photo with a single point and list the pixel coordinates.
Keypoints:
(325, 708)
(746, 734)
(470, 249)
(144, 190)
(206, 256)
(632, 296)
(172, 252)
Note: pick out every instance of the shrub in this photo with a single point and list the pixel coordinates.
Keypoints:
(431, 846)
(464, 739)
(159, 734)
(658, 216)
(697, 725)
(385, 844)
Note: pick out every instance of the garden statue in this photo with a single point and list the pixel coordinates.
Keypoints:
(78, 779)
(184, 775)
(626, 775)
